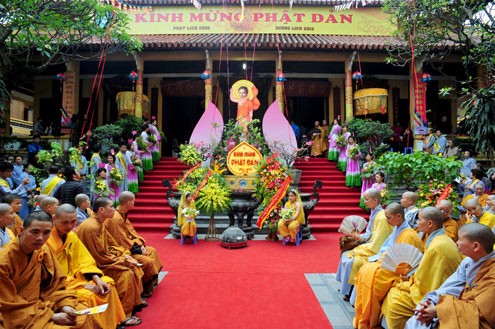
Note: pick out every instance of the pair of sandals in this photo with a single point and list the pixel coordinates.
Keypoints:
(131, 321)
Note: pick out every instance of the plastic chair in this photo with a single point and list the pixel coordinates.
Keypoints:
(299, 238)
(194, 240)
(408, 150)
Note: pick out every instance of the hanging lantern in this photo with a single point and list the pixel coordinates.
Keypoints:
(426, 78)
(281, 77)
(61, 77)
(133, 76)
(357, 75)
(205, 75)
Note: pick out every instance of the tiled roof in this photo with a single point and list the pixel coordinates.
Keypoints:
(284, 41)
(248, 2)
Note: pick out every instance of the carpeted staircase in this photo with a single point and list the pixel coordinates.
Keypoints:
(336, 200)
(152, 213)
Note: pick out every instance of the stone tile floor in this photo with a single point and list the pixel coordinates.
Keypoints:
(325, 288)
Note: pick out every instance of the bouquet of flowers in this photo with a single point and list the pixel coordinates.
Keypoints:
(100, 187)
(354, 152)
(385, 197)
(142, 145)
(190, 213)
(340, 140)
(272, 222)
(430, 193)
(115, 175)
(368, 172)
(287, 213)
(152, 139)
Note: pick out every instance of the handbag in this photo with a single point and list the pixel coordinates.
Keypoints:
(136, 249)
(347, 243)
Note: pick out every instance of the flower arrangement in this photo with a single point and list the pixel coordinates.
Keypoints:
(115, 175)
(287, 213)
(189, 154)
(430, 193)
(152, 139)
(340, 140)
(271, 175)
(272, 222)
(142, 145)
(100, 187)
(354, 152)
(190, 213)
(214, 196)
(385, 197)
(368, 172)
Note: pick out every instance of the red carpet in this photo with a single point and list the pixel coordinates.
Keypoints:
(152, 214)
(336, 200)
(260, 286)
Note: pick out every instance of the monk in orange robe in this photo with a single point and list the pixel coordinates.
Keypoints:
(15, 202)
(33, 292)
(115, 261)
(120, 227)
(465, 299)
(373, 282)
(82, 274)
(6, 219)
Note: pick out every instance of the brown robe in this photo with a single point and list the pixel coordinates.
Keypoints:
(120, 227)
(110, 258)
(474, 307)
(33, 288)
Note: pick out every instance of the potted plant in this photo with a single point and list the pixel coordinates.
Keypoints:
(411, 170)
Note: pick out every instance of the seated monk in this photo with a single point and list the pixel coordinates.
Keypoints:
(120, 227)
(374, 282)
(15, 201)
(450, 225)
(479, 194)
(440, 260)
(351, 261)
(476, 214)
(6, 219)
(115, 261)
(465, 299)
(33, 293)
(49, 205)
(82, 274)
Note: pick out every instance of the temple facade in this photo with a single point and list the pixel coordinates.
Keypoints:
(320, 59)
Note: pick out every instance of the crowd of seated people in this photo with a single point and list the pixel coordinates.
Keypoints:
(453, 285)
(64, 259)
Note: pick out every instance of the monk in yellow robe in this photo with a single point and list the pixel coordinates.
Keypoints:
(288, 228)
(476, 214)
(82, 274)
(465, 299)
(15, 202)
(33, 292)
(373, 282)
(479, 194)
(358, 256)
(115, 261)
(120, 227)
(6, 219)
(440, 260)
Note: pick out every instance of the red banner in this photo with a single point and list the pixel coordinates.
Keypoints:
(273, 203)
(420, 96)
